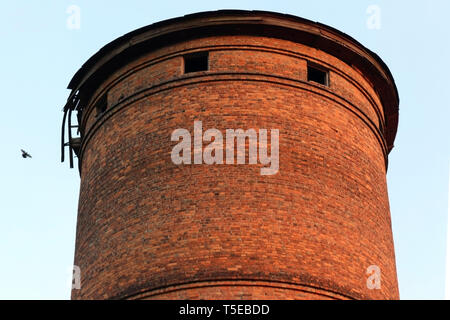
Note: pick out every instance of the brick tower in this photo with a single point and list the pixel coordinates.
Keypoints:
(148, 228)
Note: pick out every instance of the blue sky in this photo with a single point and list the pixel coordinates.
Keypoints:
(40, 54)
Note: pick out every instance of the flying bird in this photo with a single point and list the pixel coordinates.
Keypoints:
(25, 154)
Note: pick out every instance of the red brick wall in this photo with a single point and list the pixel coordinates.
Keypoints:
(150, 229)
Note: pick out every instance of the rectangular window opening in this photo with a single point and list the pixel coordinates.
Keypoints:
(101, 105)
(196, 62)
(318, 75)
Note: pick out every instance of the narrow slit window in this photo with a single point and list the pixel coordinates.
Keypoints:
(318, 75)
(101, 105)
(196, 62)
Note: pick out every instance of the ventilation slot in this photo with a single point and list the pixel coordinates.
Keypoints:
(196, 62)
(101, 105)
(318, 75)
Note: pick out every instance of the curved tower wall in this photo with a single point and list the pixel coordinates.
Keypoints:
(148, 228)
